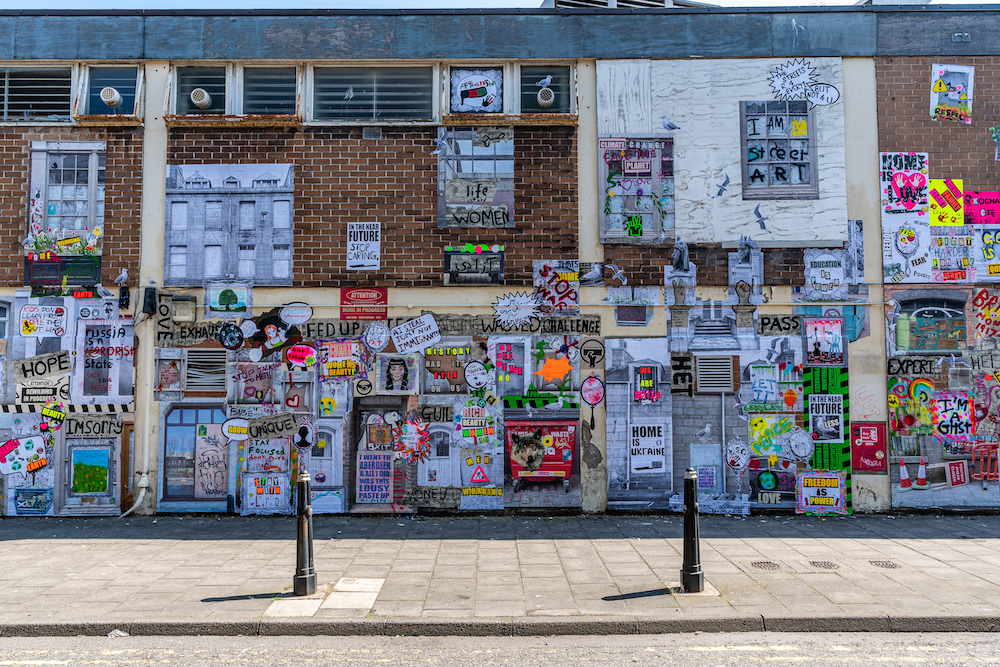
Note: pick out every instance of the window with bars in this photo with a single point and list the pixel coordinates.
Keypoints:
(211, 81)
(373, 93)
(67, 185)
(34, 94)
(269, 90)
(779, 150)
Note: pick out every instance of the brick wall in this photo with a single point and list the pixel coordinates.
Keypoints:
(956, 150)
(644, 264)
(340, 177)
(123, 195)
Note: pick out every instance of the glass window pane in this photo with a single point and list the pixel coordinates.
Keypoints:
(778, 174)
(556, 79)
(269, 90)
(122, 79)
(211, 80)
(373, 93)
(777, 126)
(213, 260)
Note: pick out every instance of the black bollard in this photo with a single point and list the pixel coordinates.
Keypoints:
(692, 578)
(304, 581)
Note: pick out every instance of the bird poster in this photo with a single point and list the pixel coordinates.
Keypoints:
(951, 92)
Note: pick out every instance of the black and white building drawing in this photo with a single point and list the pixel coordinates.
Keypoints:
(229, 221)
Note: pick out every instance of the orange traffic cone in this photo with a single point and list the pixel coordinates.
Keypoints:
(904, 477)
(921, 482)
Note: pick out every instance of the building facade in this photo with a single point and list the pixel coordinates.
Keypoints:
(550, 266)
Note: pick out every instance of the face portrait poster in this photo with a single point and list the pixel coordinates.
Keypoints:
(397, 373)
(951, 92)
(826, 417)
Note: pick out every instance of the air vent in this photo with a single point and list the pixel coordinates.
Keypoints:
(200, 98)
(715, 375)
(111, 97)
(206, 371)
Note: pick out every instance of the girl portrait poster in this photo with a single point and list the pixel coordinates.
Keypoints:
(397, 373)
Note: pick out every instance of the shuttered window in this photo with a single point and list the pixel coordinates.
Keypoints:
(205, 371)
(36, 94)
(269, 90)
(373, 93)
(546, 85)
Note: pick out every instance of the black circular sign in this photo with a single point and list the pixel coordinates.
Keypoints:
(230, 336)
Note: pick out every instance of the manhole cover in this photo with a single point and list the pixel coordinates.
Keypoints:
(885, 564)
(824, 565)
(765, 565)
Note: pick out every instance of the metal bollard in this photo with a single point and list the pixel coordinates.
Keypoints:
(304, 581)
(692, 578)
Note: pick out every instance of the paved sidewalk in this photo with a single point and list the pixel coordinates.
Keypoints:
(497, 575)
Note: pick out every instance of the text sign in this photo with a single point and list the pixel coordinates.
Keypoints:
(41, 366)
(364, 246)
(821, 492)
(374, 477)
(416, 335)
(982, 207)
(362, 303)
(463, 268)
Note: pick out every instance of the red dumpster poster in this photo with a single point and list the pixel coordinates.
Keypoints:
(868, 444)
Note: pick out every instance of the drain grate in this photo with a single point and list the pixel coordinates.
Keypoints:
(885, 564)
(824, 565)
(765, 565)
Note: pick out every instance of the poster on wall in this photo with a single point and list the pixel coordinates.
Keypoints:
(266, 493)
(824, 341)
(954, 421)
(906, 243)
(947, 202)
(104, 368)
(476, 90)
(228, 300)
(821, 492)
(42, 321)
(542, 455)
(397, 373)
(211, 463)
(557, 286)
(374, 477)
(826, 417)
(341, 359)
(951, 92)
(364, 246)
(904, 182)
(868, 447)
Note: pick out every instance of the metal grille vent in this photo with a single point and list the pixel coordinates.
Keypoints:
(269, 90)
(206, 371)
(824, 565)
(765, 565)
(885, 564)
(36, 94)
(714, 374)
(373, 93)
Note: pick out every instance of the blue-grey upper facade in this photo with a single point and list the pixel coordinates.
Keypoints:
(525, 34)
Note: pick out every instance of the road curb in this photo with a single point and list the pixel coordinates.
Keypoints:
(512, 627)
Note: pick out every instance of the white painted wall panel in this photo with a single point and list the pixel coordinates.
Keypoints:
(623, 96)
(702, 97)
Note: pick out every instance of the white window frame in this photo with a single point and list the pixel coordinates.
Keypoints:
(82, 95)
(310, 90)
(511, 88)
(807, 191)
(234, 91)
(73, 89)
(40, 152)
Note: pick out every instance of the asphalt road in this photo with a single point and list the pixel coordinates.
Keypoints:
(701, 650)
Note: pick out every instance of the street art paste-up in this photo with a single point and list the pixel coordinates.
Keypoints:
(364, 246)
(824, 341)
(820, 492)
(229, 220)
(826, 418)
(906, 249)
(633, 304)
(416, 335)
(511, 360)
(475, 177)
(445, 366)
(951, 92)
(474, 264)
(826, 274)
(268, 333)
(795, 80)
(946, 202)
(543, 461)
(341, 359)
(953, 254)
(557, 362)
(515, 310)
(397, 374)
(105, 361)
(253, 383)
(637, 176)
(557, 287)
(476, 90)
(228, 300)
(905, 184)
(954, 420)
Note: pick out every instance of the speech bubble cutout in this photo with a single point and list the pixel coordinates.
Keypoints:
(301, 356)
(296, 313)
(249, 328)
(821, 94)
(255, 354)
(377, 336)
(235, 429)
(17, 454)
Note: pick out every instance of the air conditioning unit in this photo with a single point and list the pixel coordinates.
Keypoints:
(111, 97)
(546, 96)
(200, 98)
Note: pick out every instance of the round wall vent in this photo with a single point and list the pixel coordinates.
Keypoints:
(546, 96)
(111, 97)
(200, 98)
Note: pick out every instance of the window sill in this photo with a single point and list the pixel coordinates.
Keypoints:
(763, 196)
(108, 120)
(490, 119)
(229, 120)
